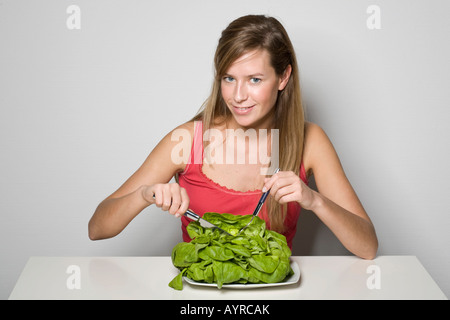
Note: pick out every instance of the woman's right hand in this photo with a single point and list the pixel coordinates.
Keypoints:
(169, 197)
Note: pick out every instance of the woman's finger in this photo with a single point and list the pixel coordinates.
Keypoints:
(167, 197)
(158, 195)
(184, 203)
(176, 198)
(268, 182)
(285, 192)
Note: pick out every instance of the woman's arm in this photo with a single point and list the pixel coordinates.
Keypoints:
(152, 179)
(336, 203)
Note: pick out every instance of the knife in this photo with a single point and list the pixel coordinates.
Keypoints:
(205, 224)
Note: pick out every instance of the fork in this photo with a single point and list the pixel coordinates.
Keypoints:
(258, 206)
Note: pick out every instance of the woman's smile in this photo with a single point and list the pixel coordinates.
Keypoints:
(242, 110)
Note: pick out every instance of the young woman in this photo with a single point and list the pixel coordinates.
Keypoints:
(256, 89)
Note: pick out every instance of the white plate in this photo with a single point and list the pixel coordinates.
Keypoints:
(290, 280)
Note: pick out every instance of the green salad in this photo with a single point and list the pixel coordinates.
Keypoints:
(257, 255)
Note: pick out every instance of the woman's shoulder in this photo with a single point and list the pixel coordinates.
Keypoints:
(317, 146)
(182, 133)
(183, 130)
(190, 125)
(174, 147)
(309, 126)
(314, 134)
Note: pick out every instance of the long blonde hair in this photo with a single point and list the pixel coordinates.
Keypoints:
(246, 34)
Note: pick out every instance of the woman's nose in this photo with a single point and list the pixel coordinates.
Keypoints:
(240, 92)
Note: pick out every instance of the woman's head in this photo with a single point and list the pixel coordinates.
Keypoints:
(250, 33)
(254, 33)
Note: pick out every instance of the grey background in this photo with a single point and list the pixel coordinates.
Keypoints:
(81, 109)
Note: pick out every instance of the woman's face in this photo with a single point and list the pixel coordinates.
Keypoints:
(250, 89)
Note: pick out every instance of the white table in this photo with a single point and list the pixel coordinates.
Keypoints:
(322, 277)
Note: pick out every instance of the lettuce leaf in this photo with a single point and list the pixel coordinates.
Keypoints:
(257, 255)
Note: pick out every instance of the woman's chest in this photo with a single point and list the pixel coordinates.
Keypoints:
(237, 177)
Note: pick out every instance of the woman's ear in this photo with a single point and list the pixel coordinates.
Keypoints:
(285, 78)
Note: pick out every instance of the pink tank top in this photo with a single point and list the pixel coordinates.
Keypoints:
(207, 196)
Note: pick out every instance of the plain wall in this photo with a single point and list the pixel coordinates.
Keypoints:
(81, 109)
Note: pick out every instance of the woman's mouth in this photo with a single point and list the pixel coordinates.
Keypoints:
(242, 110)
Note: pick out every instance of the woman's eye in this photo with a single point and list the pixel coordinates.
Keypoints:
(228, 79)
(255, 80)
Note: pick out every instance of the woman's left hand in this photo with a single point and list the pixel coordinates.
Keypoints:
(286, 187)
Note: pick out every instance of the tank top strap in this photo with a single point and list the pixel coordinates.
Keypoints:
(197, 147)
(196, 154)
(303, 173)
